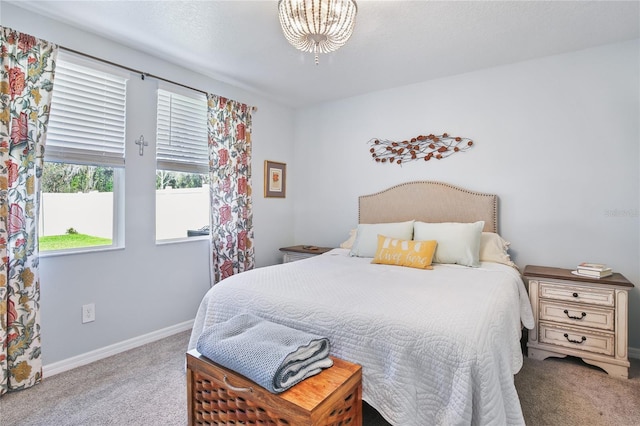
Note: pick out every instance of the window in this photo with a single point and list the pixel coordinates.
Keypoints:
(84, 157)
(182, 174)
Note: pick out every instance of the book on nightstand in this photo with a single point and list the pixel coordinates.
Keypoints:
(593, 270)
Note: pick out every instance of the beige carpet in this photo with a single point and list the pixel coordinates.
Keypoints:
(146, 386)
(566, 391)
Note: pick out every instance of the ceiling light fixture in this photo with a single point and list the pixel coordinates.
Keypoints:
(318, 26)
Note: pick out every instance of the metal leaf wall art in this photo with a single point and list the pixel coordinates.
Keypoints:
(418, 148)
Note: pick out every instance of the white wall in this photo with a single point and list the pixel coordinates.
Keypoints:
(147, 287)
(556, 138)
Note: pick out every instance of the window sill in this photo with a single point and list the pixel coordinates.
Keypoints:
(182, 240)
(75, 251)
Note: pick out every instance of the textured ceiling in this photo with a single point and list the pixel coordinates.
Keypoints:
(394, 43)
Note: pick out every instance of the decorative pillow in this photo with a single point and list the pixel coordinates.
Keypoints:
(494, 249)
(416, 254)
(366, 242)
(457, 242)
(349, 243)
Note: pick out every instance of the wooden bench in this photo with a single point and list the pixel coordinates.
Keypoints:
(218, 396)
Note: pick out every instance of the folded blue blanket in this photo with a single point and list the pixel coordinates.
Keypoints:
(273, 355)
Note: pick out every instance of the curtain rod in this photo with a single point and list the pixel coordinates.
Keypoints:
(133, 70)
(142, 73)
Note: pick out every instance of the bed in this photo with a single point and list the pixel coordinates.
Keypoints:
(437, 346)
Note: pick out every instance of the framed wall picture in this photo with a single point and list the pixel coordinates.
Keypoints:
(275, 179)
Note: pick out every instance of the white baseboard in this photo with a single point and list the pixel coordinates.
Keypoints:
(634, 353)
(52, 369)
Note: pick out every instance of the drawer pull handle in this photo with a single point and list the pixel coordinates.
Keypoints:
(233, 388)
(584, 314)
(566, 336)
(575, 294)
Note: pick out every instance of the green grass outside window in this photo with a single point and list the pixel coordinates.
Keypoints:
(71, 241)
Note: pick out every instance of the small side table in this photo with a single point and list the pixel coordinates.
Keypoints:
(293, 253)
(579, 316)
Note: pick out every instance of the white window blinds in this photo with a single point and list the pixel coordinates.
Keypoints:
(87, 119)
(181, 139)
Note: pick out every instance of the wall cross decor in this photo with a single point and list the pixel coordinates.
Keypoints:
(141, 143)
(418, 148)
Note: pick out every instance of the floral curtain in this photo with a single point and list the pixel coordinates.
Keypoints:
(26, 81)
(229, 128)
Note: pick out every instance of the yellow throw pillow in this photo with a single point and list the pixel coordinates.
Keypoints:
(415, 254)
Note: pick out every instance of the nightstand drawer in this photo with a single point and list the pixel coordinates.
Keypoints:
(292, 257)
(577, 294)
(581, 315)
(293, 253)
(575, 338)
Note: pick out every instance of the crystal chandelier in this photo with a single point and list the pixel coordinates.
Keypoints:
(318, 26)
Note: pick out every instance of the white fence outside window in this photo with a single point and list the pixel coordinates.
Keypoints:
(92, 213)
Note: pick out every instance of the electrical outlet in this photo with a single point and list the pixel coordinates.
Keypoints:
(88, 313)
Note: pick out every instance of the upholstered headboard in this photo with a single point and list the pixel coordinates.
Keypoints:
(429, 201)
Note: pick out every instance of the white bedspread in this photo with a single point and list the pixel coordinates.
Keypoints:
(437, 347)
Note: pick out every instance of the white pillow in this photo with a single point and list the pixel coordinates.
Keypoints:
(366, 242)
(457, 242)
(494, 249)
(349, 242)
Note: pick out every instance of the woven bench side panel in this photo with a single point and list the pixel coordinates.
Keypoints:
(215, 404)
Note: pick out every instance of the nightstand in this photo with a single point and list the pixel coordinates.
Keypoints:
(293, 253)
(579, 316)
